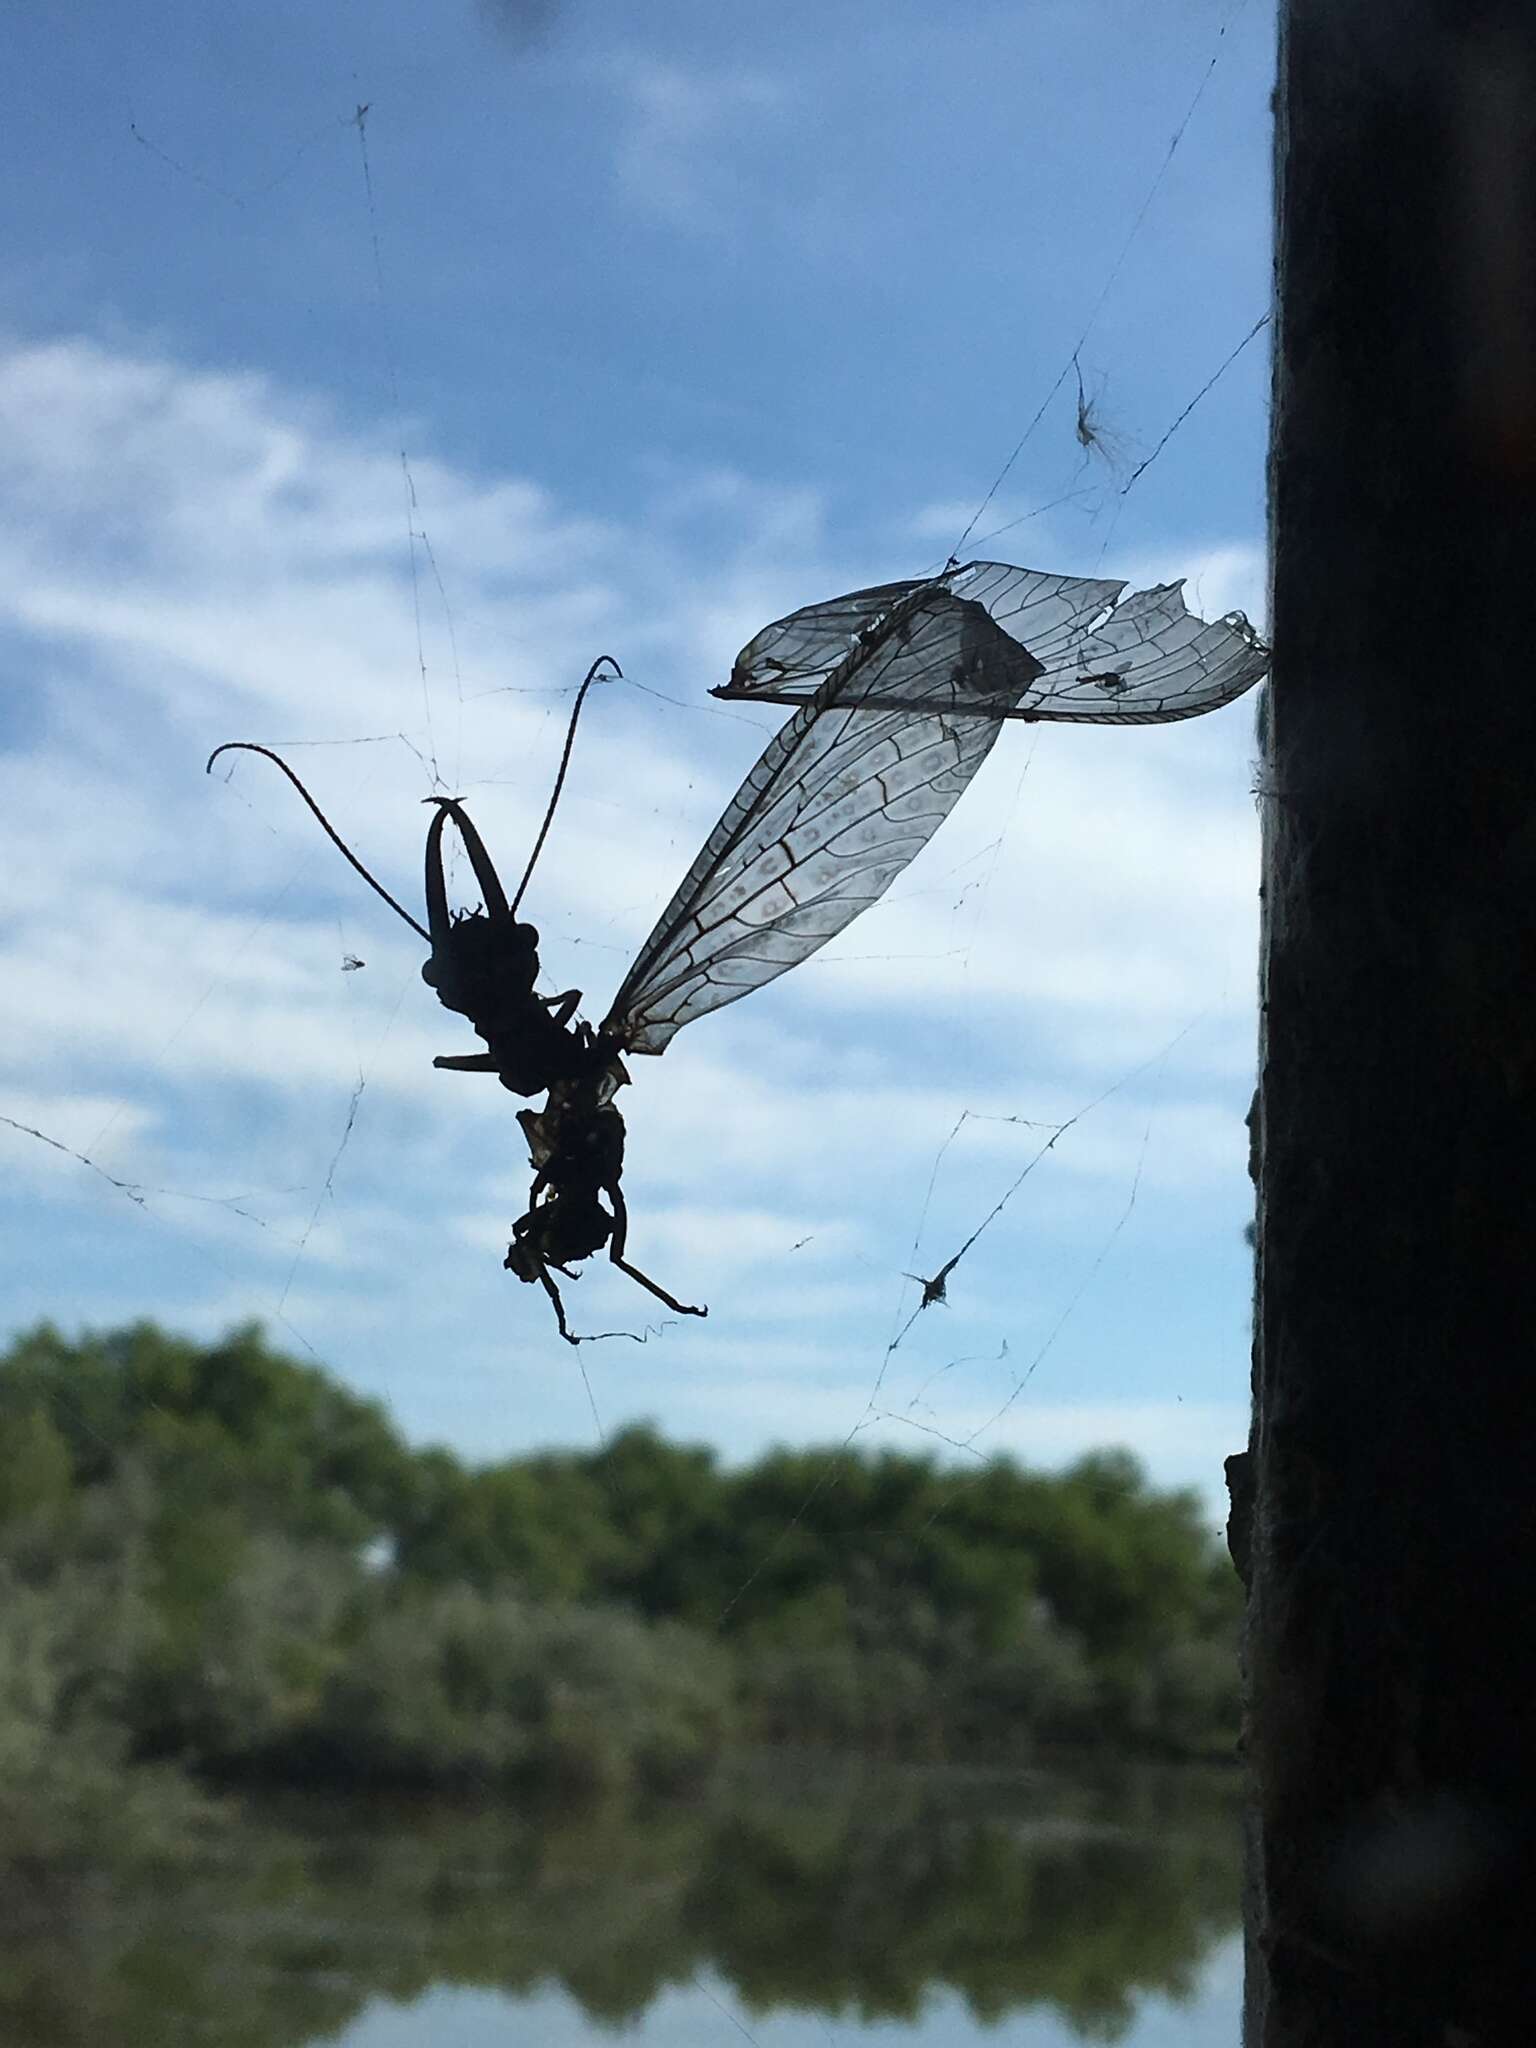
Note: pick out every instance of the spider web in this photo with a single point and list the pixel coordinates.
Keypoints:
(729, 929)
(745, 934)
(747, 912)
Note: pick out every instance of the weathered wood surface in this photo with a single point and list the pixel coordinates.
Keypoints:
(1392, 1468)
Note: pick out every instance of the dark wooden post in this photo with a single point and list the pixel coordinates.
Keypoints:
(1386, 1511)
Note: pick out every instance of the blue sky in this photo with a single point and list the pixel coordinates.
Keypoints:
(682, 319)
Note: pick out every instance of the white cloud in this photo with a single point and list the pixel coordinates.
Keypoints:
(678, 152)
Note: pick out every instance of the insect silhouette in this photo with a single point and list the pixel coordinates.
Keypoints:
(899, 693)
(484, 965)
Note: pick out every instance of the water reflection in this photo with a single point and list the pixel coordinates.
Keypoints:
(854, 1897)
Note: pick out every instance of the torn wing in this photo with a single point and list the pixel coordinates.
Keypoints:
(840, 801)
(1105, 658)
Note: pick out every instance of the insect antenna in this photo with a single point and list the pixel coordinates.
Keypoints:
(565, 761)
(250, 747)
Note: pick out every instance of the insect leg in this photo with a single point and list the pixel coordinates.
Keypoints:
(467, 1062)
(554, 1294)
(616, 1255)
(563, 1008)
(650, 1286)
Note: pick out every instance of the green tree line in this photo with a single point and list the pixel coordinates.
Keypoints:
(214, 1556)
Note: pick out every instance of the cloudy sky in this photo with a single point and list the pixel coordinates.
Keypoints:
(681, 317)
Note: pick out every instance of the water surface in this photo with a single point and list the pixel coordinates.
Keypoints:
(793, 1906)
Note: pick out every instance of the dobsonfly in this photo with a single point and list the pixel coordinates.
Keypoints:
(899, 693)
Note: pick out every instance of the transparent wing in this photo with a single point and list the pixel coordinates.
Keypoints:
(798, 653)
(1105, 658)
(1144, 659)
(840, 801)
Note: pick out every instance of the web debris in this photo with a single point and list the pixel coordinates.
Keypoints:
(412, 534)
(138, 1191)
(997, 1357)
(1099, 303)
(1215, 378)
(934, 1290)
(238, 199)
(968, 1443)
(327, 1191)
(1146, 463)
(1089, 430)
